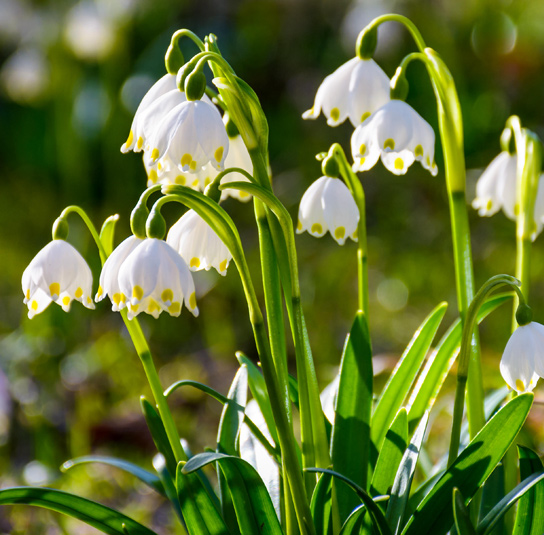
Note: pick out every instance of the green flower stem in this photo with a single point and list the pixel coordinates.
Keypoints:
(140, 344)
(392, 17)
(222, 224)
(187, 33)
(450, 123)
(463, 368)
(359, 196)
(139, 341)
(92, 229)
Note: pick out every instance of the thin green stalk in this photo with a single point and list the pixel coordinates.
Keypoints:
(463, 364)
(140, 344)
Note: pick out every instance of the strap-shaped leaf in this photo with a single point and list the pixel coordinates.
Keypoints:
(396, 509)
(461, 515)
(321, 505)
(158, 433)
(530, 513)
(473, 466)
(254, 509)
(94, 514)
(376, 515)
(436, 369)
(149, 478)
(389, 458)
(490, 521)
(402, 377)
(350, 448)
(199, 511)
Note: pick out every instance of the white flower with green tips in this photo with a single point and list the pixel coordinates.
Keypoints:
(327, 205)
(135, 139)
(58, 273)
(190, 135)
(198, 244)
(355, 90)
(497, 188)
(109, 277)
(154, 278)
(397, 134)
(523, 359)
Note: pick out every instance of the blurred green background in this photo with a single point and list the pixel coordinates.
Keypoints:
(71, 77)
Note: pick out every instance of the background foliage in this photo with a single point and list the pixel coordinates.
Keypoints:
(71, 76)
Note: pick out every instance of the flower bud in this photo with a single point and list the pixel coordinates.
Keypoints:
(155, 225)
(195, 85)
(138, 219)
(329, 166)
(173, 59)
(399, 85)
(524, 315)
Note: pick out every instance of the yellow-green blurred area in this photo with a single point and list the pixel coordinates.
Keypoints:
(71, 77)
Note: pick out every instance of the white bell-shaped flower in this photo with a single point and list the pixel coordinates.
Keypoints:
(497, 188)
(154, 278)
(109, 278)
(198, 244)
(523, 358)
(356, 90)
(168, 173)
(238, 156)
(135, 140)
(190, 135)
(397, 134)
(327, 205)
(57, 273)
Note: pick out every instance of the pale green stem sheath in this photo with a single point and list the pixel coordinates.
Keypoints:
(450, 123)
(358, 193)
(221, 223)
(140, 344)
(463, 368)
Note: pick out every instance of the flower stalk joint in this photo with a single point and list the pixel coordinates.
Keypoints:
(138, 219)
(155, 225)
(195, 85)
(60, 229)
(367, 41)
(173, 58)
(524, 314)
(399, 85)
(330, 166)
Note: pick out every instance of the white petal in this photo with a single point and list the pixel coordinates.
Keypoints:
(310, 212)
(339, 210)
(488, 200)
(398, 162)
(507, 184)
(211, 134)
(368, 90)
(518, 362)
(238, 156)
(364, 147)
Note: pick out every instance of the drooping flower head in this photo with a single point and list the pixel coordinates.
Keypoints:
(523, 359)
(190, 135)
(327, 205)
(198, 244)
(355, 90)
(154, 277)
(109, 278)
(397, 134)
(497, 188)
(57, 273)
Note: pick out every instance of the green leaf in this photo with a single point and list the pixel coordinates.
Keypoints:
(168, 484)
(199, 511)
(439, 363)
(389, 458)
(469, 471)
(225, 400)
(158, 433)
(353, 524)
(396, 509)
(530, 513)
(461, 515)
(489, 522)
(231, 419)
(378, 518)
(94, 514)
(254, 509)
(402, 377)
(107, 232)
(257, 386)
(149, 478)
(493, 490)
(320, 505)
(350, 449)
